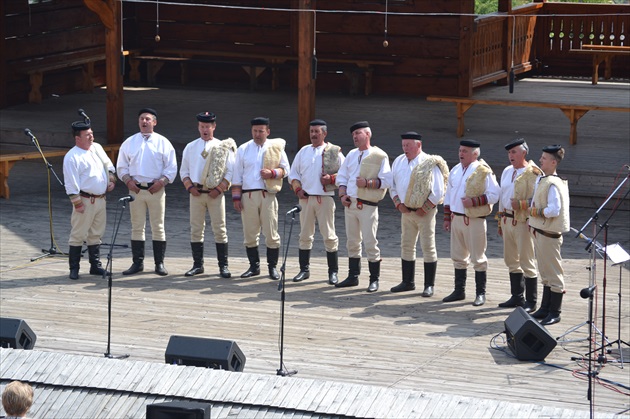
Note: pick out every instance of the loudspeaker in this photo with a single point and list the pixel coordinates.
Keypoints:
(528, 340)
(15, 333)
(178, 410)
(201, 352)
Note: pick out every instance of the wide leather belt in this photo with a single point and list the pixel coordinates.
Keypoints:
(252, 190)
(89, 195)
(547, 234)
(144, 186)
(459, 214)
(201, 189)
(508, 214)
(364, 202)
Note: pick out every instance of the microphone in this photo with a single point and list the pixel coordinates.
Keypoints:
(127, 198)
(81, 112)
(294, 210)
(29, 133)
(588, 291)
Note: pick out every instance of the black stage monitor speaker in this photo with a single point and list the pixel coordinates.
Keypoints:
(202, 352)
(528, 340)
(178, 410)
(15, 333)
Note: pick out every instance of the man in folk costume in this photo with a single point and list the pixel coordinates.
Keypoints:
(471, 192)
(549, 218)
(312, 178)
(259, 167)
(207, 165)
(417, 186)
(517, 188)
(146, 164)
(363, 181)
(88, 174)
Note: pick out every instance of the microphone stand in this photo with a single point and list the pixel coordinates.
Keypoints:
(52, 251)
(282, 371)
(108, 272)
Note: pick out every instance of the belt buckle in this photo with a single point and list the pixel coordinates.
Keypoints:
(359, 204)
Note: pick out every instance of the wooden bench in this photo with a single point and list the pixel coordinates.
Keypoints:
(573, 112)
(253, 64)
(8, 160)
(36, 67)
(602, 54)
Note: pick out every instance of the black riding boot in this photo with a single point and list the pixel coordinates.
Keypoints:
(197, 254)
(254, 262)
(159, 250)
(480, 285)
(375, 273)
(137, 254)
(354, 270)
(333, 267)
(94, 252)
(408, 277)
(222, 257)
(531, 294)
(543, 311)
(430, 269)
(305, 259)
(555, 305)
(517, 287)
(74, 260)
(459, 293)
(272, 262)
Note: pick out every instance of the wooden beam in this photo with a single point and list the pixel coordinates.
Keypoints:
(3, 64)
(109, 11)
(306, 82)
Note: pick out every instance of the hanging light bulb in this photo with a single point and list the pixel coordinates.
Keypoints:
(385, 42)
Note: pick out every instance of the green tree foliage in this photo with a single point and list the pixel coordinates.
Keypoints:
(483, 7)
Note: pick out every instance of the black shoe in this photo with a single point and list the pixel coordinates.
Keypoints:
(74, 274)
(348, 282)
(251, 271)
(273, 273)
(302, 276)
(456, 295)
(373, 287)
(195, 270)
(160, 270)
(134, 269)
(224, 271)
(529, 306)
(514, 301)
(333, 278)
(428, 292)
(479, 300)
(97, 270)
(404, 286)
(552, 318)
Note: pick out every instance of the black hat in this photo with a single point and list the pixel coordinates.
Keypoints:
(206, 117)
(360, 124)
(80, 126)
(260, 120)
(552, 148)
(470, 143)
(147, 110)
(411, 135)
(317, 122)
(515, 143)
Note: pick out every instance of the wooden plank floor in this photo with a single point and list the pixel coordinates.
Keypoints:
(395, 341)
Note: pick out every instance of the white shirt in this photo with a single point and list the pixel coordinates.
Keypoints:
(193, 162)
(401, 176)
(249, 162)
(84, 170)
(456, 188)
(307, 167)
(508, 177)
(554, 204)
(351, 168)
(147, 160)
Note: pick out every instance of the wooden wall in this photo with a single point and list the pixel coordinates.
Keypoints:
(31, 33)
(431, 53)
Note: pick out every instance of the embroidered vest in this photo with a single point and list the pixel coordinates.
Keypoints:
(524, 188)
(476, 186)
(561, 223)
(214, 170)
(421, 181)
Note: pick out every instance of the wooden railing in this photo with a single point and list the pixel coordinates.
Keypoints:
(540, 35)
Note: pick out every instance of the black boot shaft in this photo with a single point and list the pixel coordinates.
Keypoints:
(74, 261)
(159, 251)
(254, 262)
(94, 252)
(408, 277)
(272, 261)
(333, 267)
(137, 255)
(305, 260)
(197, 249)
(222, 258)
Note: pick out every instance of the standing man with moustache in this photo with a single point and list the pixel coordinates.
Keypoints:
(549, 218)
(517, 189)
(146, 164)
(312, 177)
(207, 165)
(88, 174)
(259, 167)
(418, 182)
(363, 182)
(471, 192)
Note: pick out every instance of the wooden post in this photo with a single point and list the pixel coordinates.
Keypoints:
(110, 14)
(3, 64)
(306, 83)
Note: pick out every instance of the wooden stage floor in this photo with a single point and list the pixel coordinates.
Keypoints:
(395, 341)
